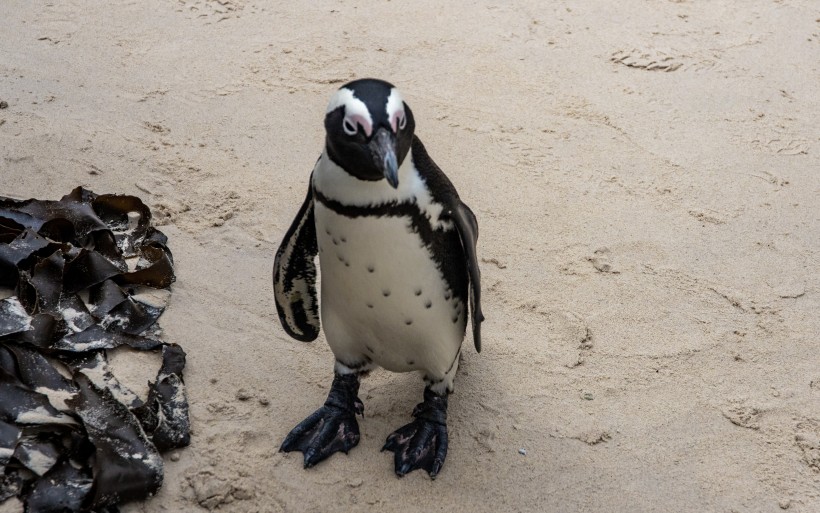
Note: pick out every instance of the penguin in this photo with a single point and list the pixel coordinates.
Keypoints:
(397, 254)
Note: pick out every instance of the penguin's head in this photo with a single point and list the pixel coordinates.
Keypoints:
(369, 130)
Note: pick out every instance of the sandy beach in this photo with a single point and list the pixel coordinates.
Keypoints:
(645, 177)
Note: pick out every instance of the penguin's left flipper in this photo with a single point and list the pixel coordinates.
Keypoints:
(467, 227)
(294, 276)
(421, 444)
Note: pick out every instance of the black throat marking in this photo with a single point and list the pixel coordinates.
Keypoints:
(389, 209)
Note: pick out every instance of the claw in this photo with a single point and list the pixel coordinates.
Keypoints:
(422, 444)
(332, 428)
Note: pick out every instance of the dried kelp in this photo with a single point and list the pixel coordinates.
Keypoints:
(87, 274)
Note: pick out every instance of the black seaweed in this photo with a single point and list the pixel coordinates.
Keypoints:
(85, 273)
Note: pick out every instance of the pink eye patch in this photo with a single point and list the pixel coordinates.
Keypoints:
(356, 119)
(398, 120)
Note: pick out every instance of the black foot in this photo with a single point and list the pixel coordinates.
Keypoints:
(332, 427)
(423, 442)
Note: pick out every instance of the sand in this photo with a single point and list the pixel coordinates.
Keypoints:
(645, 175)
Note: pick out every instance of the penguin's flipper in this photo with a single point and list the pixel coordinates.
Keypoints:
(467, 227)
(294, 276)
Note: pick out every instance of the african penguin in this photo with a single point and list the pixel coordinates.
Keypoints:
(397, 252)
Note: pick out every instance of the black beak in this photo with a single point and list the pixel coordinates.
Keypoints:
(383, 150)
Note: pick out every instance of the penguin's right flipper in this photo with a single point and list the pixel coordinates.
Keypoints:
(294, 276)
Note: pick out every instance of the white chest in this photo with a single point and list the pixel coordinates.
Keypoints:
(383, 295)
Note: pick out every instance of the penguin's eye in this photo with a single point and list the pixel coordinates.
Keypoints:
(402, 122)
(349, 127)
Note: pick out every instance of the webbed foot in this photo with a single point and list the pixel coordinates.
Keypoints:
(331, 428)
(422, 444)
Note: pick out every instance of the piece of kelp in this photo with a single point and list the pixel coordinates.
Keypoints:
(165, 412)
(119, 440)
(89, 274)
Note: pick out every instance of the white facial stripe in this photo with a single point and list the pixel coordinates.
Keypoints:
(355, 109)
(342, 97)
(395, 108)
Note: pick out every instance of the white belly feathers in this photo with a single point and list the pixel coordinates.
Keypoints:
(383, 297)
